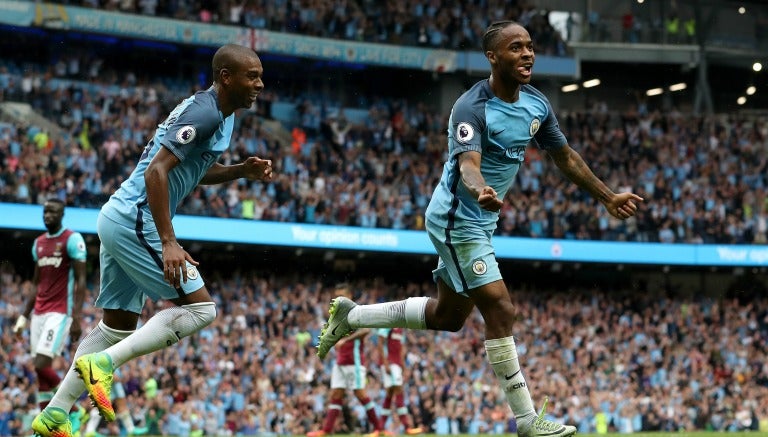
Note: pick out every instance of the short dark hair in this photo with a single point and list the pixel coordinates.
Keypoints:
(491, 35)
(229, 57)
(55, 200)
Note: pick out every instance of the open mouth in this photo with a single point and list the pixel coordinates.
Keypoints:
(525, 70)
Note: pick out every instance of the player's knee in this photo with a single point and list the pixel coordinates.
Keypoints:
(502, 314)
(204, 313)
(453, 325)
(450, 324)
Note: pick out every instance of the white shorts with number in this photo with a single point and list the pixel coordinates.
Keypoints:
(48, 333)
(349, 377)
(392, 375)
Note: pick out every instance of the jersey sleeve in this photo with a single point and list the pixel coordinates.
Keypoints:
(549, 135)
(34, 251)
(467, 123)
(196, 123)
(76, 247)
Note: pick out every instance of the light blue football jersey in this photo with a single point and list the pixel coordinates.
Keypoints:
(197, 133)
(500, 131)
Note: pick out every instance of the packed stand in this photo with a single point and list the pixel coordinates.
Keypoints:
(617, 359)
(704, 178)
(452, 25)
(430, 24)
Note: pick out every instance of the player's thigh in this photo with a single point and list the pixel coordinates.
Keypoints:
(48, 333)
(139, 254)
(393, 376)
(117, 291)
(396, 373)
(348, 377)
(467, 258)
(386, 380)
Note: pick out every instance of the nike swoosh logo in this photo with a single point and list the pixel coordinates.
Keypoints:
(554, 432)
(48, 427)
(493, 134)
(334, 330)
(508, 377)
(90, 374)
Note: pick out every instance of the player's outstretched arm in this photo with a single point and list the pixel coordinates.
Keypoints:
(619, 205)
(253, 168)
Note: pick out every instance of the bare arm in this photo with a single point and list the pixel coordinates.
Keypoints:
(473, 180)
(30, 304)
(77, 310)
(219, 174)
(572, 165)
(357, 334)
(578, 172)
(156, 180)
(252, 168)
(469, 166)
(360, 333)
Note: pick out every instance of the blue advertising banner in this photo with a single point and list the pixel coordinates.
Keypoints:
(195, 228)
(355, 52)
(80, 19)
(137, 26)
(165, 29)
(16, 13)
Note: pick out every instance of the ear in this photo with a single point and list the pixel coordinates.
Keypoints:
(224, 76)
(491, 57)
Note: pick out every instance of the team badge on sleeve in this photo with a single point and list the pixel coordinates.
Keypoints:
(186, 134)
(534, 126)
(464, 132)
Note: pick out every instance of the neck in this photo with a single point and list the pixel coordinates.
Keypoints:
(225, 106)
(508, 92)
(54, 231)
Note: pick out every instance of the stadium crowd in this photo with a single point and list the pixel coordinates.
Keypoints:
(448, 25)
(608, 359)
(432, 24)
(705, 178)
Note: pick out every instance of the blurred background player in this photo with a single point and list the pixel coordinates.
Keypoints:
(392, 352)
(57, 298)
(349, 373)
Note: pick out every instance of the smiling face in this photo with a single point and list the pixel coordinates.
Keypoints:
(244, 83)
(238, 73)
(511, 55)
